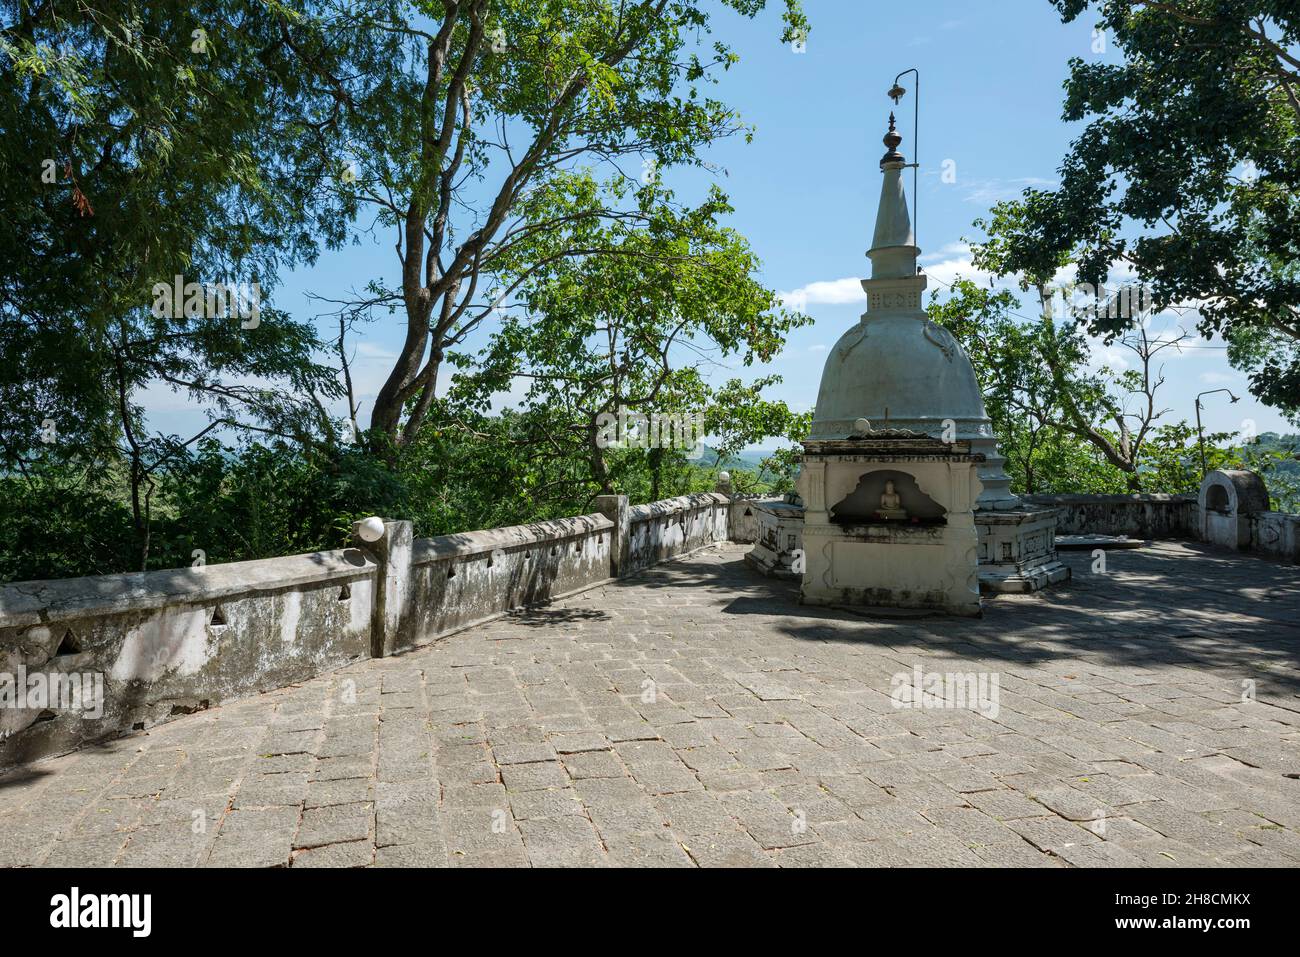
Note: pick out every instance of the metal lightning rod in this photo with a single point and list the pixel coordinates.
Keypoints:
(896, 93)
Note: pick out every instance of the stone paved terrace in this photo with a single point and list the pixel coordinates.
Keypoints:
(1122, 738)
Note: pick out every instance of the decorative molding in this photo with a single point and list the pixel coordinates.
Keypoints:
(967, 428)
(847, 346)
(944, 339)
(881, 301)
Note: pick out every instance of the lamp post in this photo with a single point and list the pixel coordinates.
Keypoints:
(896, 93)
(1200, 437)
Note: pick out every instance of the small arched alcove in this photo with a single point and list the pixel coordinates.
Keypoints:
(1216, 499)
(1234, 492)
(861, 505)
(1229, 501)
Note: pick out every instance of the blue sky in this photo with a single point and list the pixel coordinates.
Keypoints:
(805, 189)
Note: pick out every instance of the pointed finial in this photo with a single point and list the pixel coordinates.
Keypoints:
(892, 139)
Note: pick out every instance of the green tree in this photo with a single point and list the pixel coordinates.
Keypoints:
(465, 147)
(225, 141)
(1054, 414)
(147, 140)
(1188, 172)
(738, 416)
(1277, 459)
(610, 345)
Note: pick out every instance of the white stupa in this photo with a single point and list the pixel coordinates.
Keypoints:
(896, 368)
(898, 373)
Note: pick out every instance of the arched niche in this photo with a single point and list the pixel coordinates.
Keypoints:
(860, 506)
(1233, 492)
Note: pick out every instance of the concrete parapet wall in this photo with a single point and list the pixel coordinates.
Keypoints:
(1276, 533)
(1137, 516)
(742, 519)
(663, 530)
(456, 580)
(1173, 517)
(129, 651)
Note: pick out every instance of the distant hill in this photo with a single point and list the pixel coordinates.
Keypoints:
(749, 461)
(1272, 442)
(1281, 474)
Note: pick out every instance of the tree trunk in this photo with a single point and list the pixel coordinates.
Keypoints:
(656, 472)
(596, 458)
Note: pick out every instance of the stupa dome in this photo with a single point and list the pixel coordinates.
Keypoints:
(897, 372)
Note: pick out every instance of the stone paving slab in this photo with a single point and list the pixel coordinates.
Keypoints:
(696, 715)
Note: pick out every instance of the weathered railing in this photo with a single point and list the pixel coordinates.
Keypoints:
(1137, 516)
(83, 659)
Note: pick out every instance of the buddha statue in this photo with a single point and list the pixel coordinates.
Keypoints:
(891, 505)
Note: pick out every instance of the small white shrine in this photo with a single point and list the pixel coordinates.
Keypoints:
(1229, 500)
(889, 521)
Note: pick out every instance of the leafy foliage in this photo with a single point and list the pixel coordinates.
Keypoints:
(1187, 171)
(147, 140)
(604, 337)
(1063, 425)
(472, 138)
(225, 142)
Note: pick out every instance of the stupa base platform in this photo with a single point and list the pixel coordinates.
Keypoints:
(777, 551)
(892, 568)
(1017, 551)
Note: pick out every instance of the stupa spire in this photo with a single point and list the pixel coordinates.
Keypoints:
(893, 247)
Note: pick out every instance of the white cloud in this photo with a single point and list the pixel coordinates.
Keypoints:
(1119, 357)
(819, 347)
(1113, 357)
(948, 271)
(368, 350)
(952, 262)
(986, 192)
(947, 251)
(1218, 378)
(832, 292)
